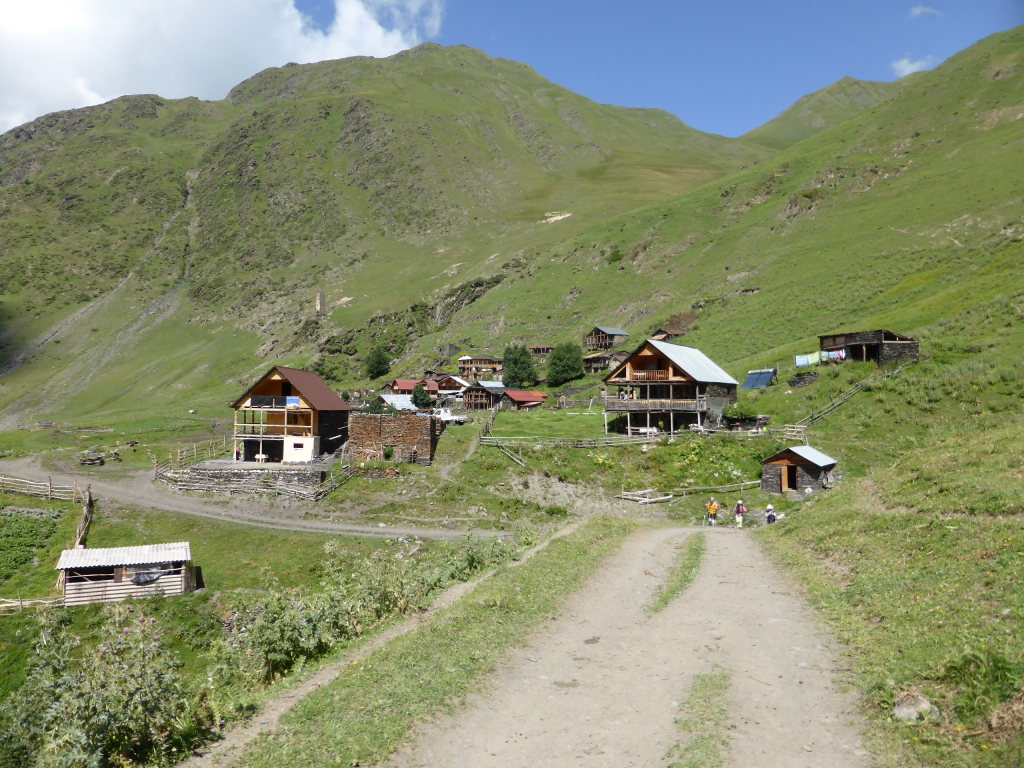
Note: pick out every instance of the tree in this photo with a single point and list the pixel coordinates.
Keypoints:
(377, 363)
(420, 398)
(565, 364)
(519, 370)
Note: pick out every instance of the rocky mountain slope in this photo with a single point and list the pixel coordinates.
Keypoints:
(158, 252)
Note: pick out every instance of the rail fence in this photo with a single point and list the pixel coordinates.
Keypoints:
(840, 400)
(45, 490)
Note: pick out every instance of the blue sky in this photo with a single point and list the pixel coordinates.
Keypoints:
(723, 66)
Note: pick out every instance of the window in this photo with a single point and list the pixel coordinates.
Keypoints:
(297, 446)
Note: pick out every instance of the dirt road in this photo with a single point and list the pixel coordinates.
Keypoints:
(137, 488)
(602, 684)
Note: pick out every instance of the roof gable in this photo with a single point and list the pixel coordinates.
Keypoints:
(812, 455)
(690, 360)
(311, 387)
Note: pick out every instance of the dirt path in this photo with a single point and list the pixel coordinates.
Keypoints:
(137, 488)
(602, 685)
(225, 752)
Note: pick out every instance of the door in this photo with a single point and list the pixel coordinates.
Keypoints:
(789, 477)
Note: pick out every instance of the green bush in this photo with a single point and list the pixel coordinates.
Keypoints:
(126, 705)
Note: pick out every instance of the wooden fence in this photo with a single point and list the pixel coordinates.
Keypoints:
(568, 442)
(840, 400)
(10, 606)
(45, 490)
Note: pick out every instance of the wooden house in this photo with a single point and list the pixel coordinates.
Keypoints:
(881, 346)
(602, 360)
(479, 366)
(406, 387)
(677, 326)
(522, 400)
(800, 468)
(664, 387)
(605, 337)
(542, 352)
(482, 395)
(119, 573)
(289, 416)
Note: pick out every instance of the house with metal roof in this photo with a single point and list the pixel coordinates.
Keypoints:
(664, 387)
(398, 402)
(800, 468)
(482, 395)
(605, 337)
(289, 416)
(119, 573)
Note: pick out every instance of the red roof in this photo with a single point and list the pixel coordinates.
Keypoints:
(409, 384)
(311, 387)
(520, 396)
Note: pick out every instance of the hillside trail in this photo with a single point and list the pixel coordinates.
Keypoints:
(137, 488)
(602, 683)
(226, 751)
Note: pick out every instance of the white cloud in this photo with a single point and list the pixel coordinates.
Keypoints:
(923, 10)
(906, 65)
(62, 54)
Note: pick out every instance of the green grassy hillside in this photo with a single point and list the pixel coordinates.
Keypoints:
(822, 110)
(383, 182)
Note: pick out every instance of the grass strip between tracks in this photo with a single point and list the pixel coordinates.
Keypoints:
(691, 552)
(703, 723)
(371, 707)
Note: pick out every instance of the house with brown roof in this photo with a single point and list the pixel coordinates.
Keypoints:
(406, 386)
(288, 416)
(522, 400)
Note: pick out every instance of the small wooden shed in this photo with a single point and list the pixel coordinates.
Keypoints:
(797, 469)
(112, 574)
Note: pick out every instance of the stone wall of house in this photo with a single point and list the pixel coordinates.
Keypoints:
(898, 352)
(807, 476)
(726, 392)
(771, 479)
(405, 433)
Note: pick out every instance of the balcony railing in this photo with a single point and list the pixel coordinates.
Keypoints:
(648, 376)
(271, 431)
(620, 405)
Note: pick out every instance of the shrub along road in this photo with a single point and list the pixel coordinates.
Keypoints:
(138, 489)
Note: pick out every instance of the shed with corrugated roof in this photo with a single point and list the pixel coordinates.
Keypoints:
(800, 468)
(112, 574)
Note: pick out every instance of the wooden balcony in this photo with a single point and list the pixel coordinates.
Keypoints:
(614, 404)
(648, 376)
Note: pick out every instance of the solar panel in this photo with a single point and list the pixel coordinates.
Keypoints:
(759, 379)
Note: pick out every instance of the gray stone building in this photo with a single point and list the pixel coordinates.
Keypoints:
(800, 468)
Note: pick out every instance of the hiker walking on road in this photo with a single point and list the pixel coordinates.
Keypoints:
(740, 512)
(713, 507)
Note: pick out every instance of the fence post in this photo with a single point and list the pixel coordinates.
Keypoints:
(49, 487)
